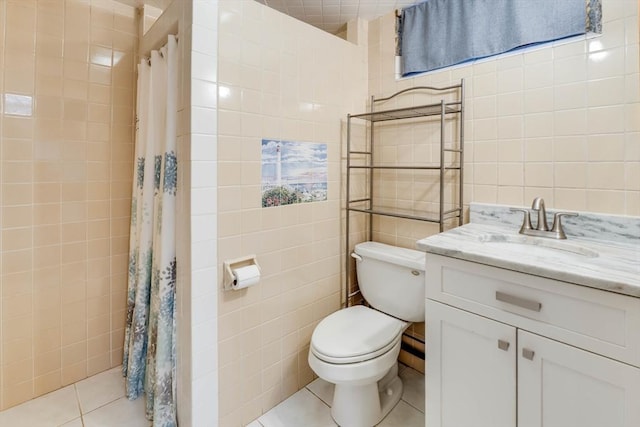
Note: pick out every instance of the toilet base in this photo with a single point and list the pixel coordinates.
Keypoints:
(366, 405)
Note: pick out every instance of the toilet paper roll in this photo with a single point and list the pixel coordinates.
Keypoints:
(244, 277)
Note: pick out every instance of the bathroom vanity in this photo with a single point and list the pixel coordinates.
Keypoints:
(527, 331)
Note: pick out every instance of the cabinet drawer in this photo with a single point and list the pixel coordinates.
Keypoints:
(598, 321)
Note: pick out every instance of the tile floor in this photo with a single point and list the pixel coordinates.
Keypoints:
(97, 401)
(311, 406)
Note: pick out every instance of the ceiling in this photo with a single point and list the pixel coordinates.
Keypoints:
(328, 15)
(160, 4)
(331, 15)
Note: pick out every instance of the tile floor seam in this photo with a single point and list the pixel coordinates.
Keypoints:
(77, 393)
(110, 402)
(318, 397)
(417, 409)
(68, 411)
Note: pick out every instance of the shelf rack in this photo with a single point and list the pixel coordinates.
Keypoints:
(365, 205)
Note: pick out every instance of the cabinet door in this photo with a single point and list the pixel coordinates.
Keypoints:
(563, 386)
(471, 369)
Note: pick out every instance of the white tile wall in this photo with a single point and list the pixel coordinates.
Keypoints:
(279, 78)
(563, 118)
(67, 78)
(204, 257)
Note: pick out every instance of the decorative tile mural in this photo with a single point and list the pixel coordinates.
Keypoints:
(293, 172)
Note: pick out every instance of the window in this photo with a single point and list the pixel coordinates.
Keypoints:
(440, 33)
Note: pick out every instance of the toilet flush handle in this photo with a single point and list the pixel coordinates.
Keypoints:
(356, 256)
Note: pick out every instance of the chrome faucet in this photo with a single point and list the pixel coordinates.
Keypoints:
(538, 205)
(542, 228)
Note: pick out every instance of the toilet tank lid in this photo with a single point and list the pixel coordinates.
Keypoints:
(409, 258)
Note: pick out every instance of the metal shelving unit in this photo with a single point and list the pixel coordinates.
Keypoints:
(365, 205)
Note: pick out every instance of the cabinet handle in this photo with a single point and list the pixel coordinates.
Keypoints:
(528, 354)
(519, 301)
(503, 345)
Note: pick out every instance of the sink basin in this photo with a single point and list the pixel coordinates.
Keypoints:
(535, 245)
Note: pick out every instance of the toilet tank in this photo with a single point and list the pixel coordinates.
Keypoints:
(391, 279)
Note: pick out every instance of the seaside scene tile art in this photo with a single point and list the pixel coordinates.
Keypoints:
(293, 172)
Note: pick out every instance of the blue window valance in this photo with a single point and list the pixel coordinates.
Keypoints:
(439, 33)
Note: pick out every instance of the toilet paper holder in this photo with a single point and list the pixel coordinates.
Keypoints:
(232, 264)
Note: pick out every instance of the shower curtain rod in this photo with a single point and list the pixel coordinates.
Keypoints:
(148, 59)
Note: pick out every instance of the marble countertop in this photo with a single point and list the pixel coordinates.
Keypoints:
(602, 264)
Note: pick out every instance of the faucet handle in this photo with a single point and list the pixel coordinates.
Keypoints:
(526, 222)
(557, 224)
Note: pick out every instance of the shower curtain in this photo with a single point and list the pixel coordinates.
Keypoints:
(149, 360)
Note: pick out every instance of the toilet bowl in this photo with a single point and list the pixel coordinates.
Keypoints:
(357, 348)
(355, 358)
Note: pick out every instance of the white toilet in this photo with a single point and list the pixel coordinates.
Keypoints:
(357, 348)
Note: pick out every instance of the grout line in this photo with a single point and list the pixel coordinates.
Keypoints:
(322, 401)
(112, 401)
(75, 389)
(402, 397)
(107, 403)
(317, 397)
(417, 409)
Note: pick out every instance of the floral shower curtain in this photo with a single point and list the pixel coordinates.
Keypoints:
(149, 361)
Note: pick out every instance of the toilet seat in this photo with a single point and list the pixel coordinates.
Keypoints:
(355, 334)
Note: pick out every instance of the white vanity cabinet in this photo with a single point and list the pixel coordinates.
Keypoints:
(470, 380)
(565, 386)
(511, 349)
